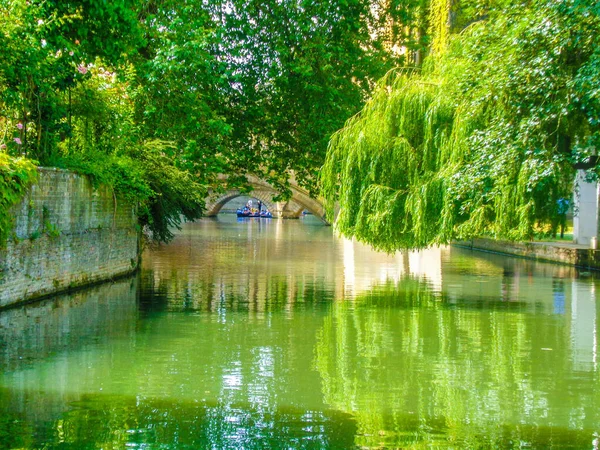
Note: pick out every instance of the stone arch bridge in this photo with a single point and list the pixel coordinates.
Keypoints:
(263, 191)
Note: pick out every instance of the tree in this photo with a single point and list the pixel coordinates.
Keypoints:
(68, 93)
(181, 87)
(206, 87)
(482, 141)
(47, 48)
(298, 70)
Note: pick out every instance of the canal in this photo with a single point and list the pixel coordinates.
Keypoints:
(246, 333)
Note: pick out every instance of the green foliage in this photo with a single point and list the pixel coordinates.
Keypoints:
(146, 177)
(480, 142)
(227, 87)
(298, 70)
(176, 192)
(48, 47)
(16, 174)
(73, 88)
(180, 88)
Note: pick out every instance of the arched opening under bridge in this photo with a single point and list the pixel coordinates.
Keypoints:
(261, 190)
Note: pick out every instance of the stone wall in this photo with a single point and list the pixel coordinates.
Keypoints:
(556, 252)
(67, 234)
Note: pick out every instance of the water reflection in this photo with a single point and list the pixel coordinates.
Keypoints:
(53, 330)
(220, 261)
(116, 422)
(584, 317)
(66, 323)
(415, 367)
(253, 266)
(274, 334)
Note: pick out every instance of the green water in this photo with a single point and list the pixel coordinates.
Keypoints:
(277, 334)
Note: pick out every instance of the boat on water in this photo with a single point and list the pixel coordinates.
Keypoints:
(245, 212)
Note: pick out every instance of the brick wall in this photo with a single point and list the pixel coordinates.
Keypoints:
(67, 234)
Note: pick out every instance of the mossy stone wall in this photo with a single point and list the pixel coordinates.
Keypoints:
(67, 234)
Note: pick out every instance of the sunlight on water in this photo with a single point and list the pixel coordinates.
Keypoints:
(278, 334)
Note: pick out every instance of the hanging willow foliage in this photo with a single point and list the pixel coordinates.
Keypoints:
(384, 167)
(439, 20)
(469, 146)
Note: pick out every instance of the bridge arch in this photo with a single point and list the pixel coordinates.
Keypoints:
(264, 192)
(215, 204)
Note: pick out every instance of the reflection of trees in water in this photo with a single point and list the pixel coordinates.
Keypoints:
(50, 329)
(103, 421)
(260, 294)
(15, 432)
(400, 365)
(194, 381)
(415, 368)
(212, 265)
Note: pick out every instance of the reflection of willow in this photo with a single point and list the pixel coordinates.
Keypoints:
(413, 368)
(101, 421)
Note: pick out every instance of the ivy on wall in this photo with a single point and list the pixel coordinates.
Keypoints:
(16, 175)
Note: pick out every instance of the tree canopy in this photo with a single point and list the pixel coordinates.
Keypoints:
(477, 131)
(137, 91)
(483, 139)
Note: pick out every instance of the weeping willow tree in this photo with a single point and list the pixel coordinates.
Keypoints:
(480, 141)
(440, 24)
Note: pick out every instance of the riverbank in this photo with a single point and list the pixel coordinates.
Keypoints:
(67, 234)
(556, 252)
